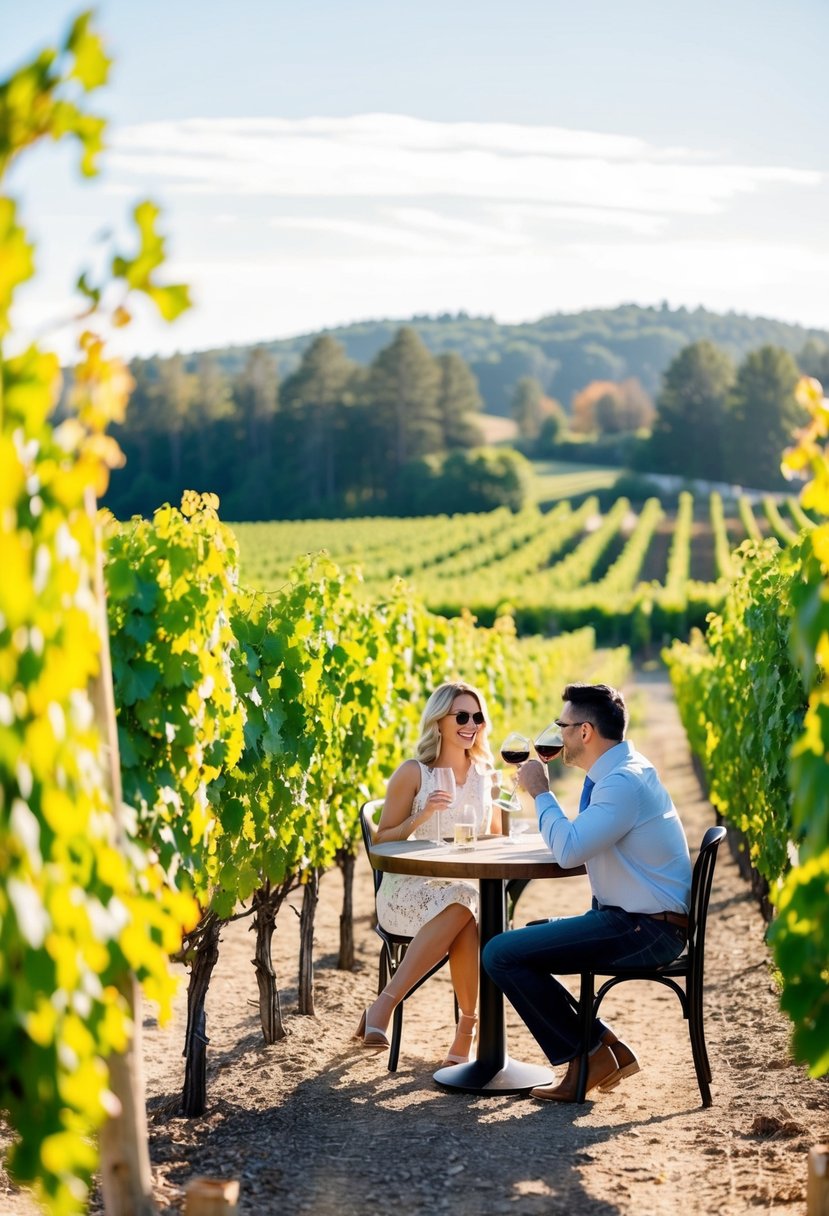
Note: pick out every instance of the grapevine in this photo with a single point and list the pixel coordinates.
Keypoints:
(800, 936)
(78, 910)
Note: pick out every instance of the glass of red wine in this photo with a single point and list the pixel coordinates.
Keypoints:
(515, 750)
(549, 743)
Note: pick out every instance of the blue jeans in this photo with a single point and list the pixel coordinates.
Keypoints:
(522, 962)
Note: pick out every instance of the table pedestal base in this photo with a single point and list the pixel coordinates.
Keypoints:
(478, 1077)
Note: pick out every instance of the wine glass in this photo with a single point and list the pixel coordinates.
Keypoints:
(519, 823)
(466, 828)
(549, 743)
(515, 750)
(444, 779)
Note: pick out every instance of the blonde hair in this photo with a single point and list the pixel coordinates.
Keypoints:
(437, 707)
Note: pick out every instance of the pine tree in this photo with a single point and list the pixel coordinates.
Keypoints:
(526, 407)
(317, 396)
(401, 394)
(458, 402)
(256, 394)
(762, 416)
(211, 404)
(813, 360)
(175, 390)
(687, 433)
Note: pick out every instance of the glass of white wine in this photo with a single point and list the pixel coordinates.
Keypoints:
(466, 828)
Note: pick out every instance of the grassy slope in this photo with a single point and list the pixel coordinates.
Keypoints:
(556, 479)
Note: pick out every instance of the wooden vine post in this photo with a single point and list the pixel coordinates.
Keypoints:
(211, 1197)
(817, 1189)
(126, 1181)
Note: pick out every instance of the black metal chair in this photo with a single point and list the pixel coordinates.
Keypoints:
(513, 890)
(394, 945)
(684, 975)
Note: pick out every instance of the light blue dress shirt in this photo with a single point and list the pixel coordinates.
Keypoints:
(630, 837)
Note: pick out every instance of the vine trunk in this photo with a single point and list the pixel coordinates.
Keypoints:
(204, 959)
(310, 898)
(266, 904)
(345, 959)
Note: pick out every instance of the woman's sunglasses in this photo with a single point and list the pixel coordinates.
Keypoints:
(463, 716)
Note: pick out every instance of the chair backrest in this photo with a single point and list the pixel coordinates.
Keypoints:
(701, 881)
(369, 814)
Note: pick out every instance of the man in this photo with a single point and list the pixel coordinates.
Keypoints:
(629, 837)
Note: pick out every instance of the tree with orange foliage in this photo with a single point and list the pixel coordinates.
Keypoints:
(583, 409)
(609, 408)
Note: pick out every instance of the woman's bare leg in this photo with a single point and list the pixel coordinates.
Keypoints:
(433, 942)
(463, 964)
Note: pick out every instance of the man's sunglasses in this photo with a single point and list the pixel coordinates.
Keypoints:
(463, 716)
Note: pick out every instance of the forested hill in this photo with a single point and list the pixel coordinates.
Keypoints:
(563, 351)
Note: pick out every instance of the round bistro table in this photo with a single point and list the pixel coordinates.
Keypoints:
(493, 861)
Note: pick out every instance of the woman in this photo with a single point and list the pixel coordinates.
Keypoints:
(440, 914)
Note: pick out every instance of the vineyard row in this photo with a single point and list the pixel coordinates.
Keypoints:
(551, 572)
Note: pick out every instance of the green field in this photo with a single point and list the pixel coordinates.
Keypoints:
(558, 479)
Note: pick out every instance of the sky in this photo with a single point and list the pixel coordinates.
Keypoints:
(332, 161)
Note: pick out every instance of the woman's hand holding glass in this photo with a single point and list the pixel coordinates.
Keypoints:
(442, 798)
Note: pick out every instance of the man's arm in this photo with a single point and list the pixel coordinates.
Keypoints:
(612, 812)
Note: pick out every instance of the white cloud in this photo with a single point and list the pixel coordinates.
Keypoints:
(450, 230)
(550, 218)
(391, 156)
(420, 231)
(411, 230)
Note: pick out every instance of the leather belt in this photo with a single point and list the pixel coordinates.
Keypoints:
(673, 918)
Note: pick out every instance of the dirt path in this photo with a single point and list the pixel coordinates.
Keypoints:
(318, 1124)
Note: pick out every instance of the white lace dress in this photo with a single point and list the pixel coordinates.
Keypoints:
(406, 902)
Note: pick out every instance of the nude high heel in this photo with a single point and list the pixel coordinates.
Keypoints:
(372, 1036)
(467, 1026)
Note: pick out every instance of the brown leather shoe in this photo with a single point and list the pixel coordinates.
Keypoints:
(628, 1064)
(602, 1070)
